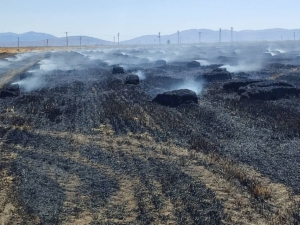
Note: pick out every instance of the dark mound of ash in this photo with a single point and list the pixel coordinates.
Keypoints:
(176, 98)
(270, 93)
(282, 66)
(132, 79)
(160, 63)
(193, 64)
(11, 90)
(261, 89)
(216, 75)
(242, 75)
(118, 70)
(263, 84)
(236, 84)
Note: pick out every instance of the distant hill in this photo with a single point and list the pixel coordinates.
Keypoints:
(29, 36)
(192, 36)
(40, 39)
(186, 36)
(75, 41)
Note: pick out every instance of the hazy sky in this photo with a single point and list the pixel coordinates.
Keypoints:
(132, 18)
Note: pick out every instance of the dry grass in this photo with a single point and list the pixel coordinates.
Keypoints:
(242, 205)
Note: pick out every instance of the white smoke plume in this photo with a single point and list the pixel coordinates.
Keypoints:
(141, 74)
(31, 83)
(4, 63)
(20, 57)
(243, 67)
(197, 87)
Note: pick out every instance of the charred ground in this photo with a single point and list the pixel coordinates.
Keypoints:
(86, 148)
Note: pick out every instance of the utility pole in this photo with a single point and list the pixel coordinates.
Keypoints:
(118, 38)
(47, 42)
(114, 40)
(80, 41)
(231, 34)
(18, 42)
(294, 36)
(220, 35)
(159, 37)
(200, 37)
(67, 41)
(178, 36)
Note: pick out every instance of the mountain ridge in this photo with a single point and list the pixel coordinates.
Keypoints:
(33, 38)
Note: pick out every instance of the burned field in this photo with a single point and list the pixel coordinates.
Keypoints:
(101, 137)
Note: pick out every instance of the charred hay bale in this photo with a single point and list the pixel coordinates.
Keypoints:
(11, 90)
(132, 79)
(216, 75)
(118, 70)
(160, 63)
(193, 64)
(236, 84)
(270, 93)
(176, 98)
(264, 84)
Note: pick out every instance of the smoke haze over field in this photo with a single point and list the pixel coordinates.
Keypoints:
(140, 60)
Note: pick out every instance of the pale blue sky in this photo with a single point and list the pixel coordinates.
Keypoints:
(132, 18)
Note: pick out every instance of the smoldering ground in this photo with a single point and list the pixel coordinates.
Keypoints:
(82, 144)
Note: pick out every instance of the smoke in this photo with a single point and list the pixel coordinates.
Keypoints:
(141, 74)
(203, 62)
(243, 67)
(31, 83)
(4, 63)
(52, 64)
(197, 87)
(63, 61)
(19, 57)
